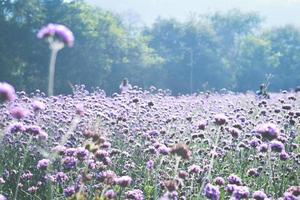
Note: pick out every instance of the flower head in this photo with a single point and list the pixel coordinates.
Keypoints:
(259, 195)
(7, 92)
(43, 164)
(58, 31)
(211, 192)
(135, 194)
(268, 131)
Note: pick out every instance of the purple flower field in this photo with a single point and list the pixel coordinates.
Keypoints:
(147, 144)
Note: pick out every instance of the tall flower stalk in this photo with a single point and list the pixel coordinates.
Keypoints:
(57, 36)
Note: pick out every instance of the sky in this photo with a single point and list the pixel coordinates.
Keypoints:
(275, 12)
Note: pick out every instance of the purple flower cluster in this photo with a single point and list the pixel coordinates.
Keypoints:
(212, 192)
(58, 31)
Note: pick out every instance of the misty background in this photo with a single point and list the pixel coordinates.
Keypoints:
(185, 46)
(274, 12)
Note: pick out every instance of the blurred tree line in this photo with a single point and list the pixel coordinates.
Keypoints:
(220, 50)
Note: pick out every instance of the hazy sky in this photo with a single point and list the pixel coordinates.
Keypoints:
(276, 12)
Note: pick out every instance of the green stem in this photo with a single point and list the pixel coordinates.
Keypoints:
(52, 71)
(22, 166)
(211, 163)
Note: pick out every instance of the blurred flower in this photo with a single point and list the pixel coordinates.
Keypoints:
(234, 179)
(196, 169)
(181, 150)
(220, 119)
(135, 194)
(276, 146)
(283, 155)
(38, 105)
(240, 192)
(69, 162)
(268, 131)
(17, 127)
(259, 195)
(2, 197)
(43, 164)
(58, 31)
(18, 112)
(60, 177)
(123, 181)
(7, 92)
(212, 192)
(69, 191)
(150, 164)
(110, 194)
(219, 181)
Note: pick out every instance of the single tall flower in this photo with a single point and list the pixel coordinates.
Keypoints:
(57, 35)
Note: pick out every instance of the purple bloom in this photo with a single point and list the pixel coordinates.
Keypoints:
(163, 150)
(61, 32)
(110, 194)
(69, 191)
(33, 130)
(259, 195)
(219, 181)
(17, 127)
(18, 112)
(150, 164)
(268, 131)
(194, 169)
(43, 164)
(135, 194)
(2, 197)
(240, 192)
(211, 192)
(284, 156)
(255, 142)
(7, 92)
(69, 162)
(230, 188)
(234, 179)
(38, 105)
(220, 119)
(123, 181)
(277, 146)
(60, 177)
(263, 147)
(81, 153)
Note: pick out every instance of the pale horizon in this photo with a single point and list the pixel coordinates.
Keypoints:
(275, 12)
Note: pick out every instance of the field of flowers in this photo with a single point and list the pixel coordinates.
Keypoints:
(148, 145)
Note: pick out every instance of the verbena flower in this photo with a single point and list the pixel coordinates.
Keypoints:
(7, 92)
(18, 112)
(135, 194)
(57, 31)
(69, 191)
(234, 179)
(150, 164)
(259, 195)
(212, 192)
(43, 164)
(268, 131)
(110, 194)
(123, 181)
(277, 146)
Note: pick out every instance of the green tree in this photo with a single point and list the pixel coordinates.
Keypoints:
(285, 41)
